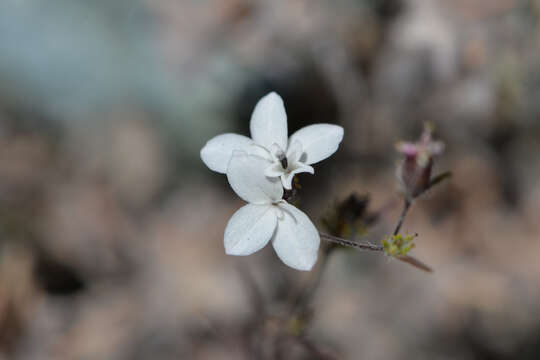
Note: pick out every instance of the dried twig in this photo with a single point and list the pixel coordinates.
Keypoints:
(406, 207)
(358, 245)
(414, 262)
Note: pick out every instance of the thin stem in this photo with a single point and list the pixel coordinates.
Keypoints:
(359, 245)
(406, 207)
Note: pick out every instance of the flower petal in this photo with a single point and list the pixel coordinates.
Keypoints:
(249, 229)
(246, 175)
(296, 240)
(269, 122)
(286, 178)
(319, 141)
(274, 170)
(217, 152)
(295, 151)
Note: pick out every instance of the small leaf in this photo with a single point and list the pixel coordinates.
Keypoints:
(439, 178)
(415, 262)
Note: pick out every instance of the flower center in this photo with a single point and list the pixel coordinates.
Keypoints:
(278, 210)
(280, 156)
(283, 160)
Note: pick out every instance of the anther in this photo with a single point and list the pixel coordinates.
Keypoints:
(283, 160)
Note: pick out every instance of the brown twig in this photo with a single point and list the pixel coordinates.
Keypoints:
(406, 206)
(372, 247)
(414, 262)
(358, 245)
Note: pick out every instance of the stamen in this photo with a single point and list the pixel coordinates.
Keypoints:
(283, 160)
(280, 156)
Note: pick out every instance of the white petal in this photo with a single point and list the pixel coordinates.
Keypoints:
(246, 175)
(260, 151)
(276, 151)
(269, 122)
(296, 240)
(319, 141)
(286, 178)
(274, 170)
(217, 152)
(295, 151)
(249, 229)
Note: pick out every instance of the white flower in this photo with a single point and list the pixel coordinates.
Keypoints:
(267, 217)
(285, 157)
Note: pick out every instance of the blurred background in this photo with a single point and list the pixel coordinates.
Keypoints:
(111, 228)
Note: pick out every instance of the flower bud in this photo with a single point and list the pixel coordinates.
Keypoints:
(414, 173)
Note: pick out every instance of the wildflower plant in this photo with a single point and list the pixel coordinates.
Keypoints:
(262, 171)
(258, 169)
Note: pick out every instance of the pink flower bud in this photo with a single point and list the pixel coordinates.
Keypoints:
(414, 172)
